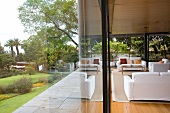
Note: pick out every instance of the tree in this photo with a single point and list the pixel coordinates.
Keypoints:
(10, 44)
(17, 43)
(35, 49)
(60, 15)
(1, 49)
(71, 55)
(5, 61)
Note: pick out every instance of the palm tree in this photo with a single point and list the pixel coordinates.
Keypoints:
(17, 43)
(10, 44)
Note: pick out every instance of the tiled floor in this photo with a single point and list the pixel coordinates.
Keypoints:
(63, 97)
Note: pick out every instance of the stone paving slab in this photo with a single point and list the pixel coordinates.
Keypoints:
(54, 99)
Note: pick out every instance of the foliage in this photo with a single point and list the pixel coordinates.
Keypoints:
(35, 78)
(2, 89)
(10, 44)
(11, 72)
(30, 70)
(17, 43)
(115, 48)
(1, 49)
(23, 85)
(73, 55)
(6, 96)
(35, 49)
(10, 88)
(38, 85)
(43, 80)
(85, 50)
(57, 48)
(59, 16)
(19, 100)
(22, 99)
(56, 77)
(5, 61)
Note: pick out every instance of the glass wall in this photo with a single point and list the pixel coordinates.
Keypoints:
(90, 51)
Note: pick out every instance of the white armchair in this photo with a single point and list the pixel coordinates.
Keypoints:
(156, 67)
(87, 85)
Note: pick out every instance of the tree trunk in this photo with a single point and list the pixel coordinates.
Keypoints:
(12, 51)
(18, 59)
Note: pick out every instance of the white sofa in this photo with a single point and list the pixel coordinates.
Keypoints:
(87, 85)
(88, 64)
(119, 65)
(156, 67)
(148, 86)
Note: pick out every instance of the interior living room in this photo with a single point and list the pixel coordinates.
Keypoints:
(129, 35)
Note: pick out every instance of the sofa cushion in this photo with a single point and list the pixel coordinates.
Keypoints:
(96, 61)
(130, 61)
(123, 61)
(164, 73)
(136, 74)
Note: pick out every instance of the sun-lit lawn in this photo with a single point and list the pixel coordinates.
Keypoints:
(35, 78)
(10, 105)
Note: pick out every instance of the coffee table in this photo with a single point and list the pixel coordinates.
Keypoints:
(130, 66)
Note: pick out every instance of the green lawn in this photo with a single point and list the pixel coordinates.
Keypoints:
(10, 105)
(35, 78)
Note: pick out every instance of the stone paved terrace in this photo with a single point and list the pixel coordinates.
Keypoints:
(62, 97)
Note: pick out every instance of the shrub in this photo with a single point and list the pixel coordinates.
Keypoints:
(10, 88)
(2, 89)
(50, 79)
(43, 80)
(30, 70)
(23, 85)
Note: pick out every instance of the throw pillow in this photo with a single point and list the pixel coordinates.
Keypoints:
(123, 61)
(83, 62)
(137, 61)
(96, 61)
(130, 61)
(89, 62)
(160, 62)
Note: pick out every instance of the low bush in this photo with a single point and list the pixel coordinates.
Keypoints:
(2, 89)
(11, 72)
(50, 79)
(43, 80)
(10, 88)
(23, 85)
(30, 70)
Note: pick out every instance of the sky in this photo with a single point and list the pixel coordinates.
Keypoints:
(10, 25)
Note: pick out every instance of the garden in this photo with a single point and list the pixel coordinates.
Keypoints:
(20, 89)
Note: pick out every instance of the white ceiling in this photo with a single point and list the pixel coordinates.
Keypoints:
(126, 16)
(139, 16)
